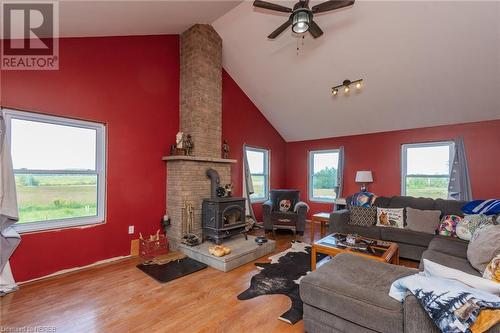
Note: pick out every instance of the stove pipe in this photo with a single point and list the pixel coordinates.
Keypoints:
(214, 182)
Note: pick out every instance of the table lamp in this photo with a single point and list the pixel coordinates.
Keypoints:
(364, 177)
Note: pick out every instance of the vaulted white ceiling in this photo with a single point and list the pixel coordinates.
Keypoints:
(137, 17)
(423, 64)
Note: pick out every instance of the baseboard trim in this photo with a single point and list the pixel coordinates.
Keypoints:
(79, 268)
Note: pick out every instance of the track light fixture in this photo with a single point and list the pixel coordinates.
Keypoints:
(346, 85)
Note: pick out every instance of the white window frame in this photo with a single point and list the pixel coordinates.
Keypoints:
(266, 174)
(100, 170)
(404, 156)
(310, 174)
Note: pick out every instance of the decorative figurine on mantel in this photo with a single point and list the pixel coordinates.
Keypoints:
(179, 140)
(225, 150)
(229, 190)
(188, 145)
(183, 145)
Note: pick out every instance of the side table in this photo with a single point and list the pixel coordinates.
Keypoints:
(323, 218)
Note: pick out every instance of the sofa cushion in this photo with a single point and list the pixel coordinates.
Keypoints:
(449, 207)
(451, 246)
(356, 289)
(417, 203)
(406, 236)
(449, 261)
(422, 220)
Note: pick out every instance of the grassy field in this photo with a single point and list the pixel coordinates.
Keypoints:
(47, 197)
(328, 193)
(258, 187)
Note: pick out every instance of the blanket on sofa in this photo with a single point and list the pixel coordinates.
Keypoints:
(452, 305)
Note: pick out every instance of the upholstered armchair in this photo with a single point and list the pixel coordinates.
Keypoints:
(284, 210)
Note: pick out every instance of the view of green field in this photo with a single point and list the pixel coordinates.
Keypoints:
(47, 197)
(258, 187)
(427, 187)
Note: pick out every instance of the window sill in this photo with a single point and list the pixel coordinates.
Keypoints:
(57, 225)
(256, 201)
(322, 201)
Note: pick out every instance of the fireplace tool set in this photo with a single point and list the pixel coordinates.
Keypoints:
(188, 238)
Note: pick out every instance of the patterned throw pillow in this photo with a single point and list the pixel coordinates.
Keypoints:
(362, 216)
(482, 225)
(492, 271)
(390, 217)
(448, 225)
(363, 199)
(466, 226)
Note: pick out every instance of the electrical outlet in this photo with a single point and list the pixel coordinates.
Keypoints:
(130, 229)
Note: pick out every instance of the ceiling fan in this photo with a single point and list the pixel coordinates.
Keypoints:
(301, 17)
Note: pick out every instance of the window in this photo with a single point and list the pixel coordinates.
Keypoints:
(426, 169)
(258, 162)
(323, 169)
(59, 168)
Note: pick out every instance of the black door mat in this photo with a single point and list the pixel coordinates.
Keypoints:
(172, 270)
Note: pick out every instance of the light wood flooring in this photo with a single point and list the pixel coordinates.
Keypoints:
(118, 297)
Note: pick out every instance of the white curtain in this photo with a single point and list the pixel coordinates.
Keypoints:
(247, 185)
(9, 238)
(340, 173)
(459, 186)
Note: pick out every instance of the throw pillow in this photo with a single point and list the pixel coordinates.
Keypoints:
(285, 205)
(486, 207)
(390, 217)
(362, 216)
(436, 270)
(448, 225)
(484, 246)
(469, 224)
(422, 220)
(363, 199)
(492, 271)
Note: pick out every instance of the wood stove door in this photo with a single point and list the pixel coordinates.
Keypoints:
(232, 216)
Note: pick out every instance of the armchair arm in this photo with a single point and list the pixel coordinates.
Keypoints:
(338, 219)
(267, 208)
(301, 208)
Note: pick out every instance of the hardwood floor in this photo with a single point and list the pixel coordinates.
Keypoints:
(118, 297)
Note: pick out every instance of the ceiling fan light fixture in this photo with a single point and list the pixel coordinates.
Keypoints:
(300, 21)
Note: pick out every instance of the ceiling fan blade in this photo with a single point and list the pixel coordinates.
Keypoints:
(315, 30)
(280, 29)
(331, 5)
(271, 6)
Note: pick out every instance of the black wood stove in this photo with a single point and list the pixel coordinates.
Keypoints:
(222, 217)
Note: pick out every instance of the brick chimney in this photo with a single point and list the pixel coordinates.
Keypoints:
(200, 116)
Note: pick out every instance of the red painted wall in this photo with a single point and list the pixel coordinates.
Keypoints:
(132, 85)
(242, 122)
(381, 153)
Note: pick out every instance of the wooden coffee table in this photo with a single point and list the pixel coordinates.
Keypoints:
(375, 249)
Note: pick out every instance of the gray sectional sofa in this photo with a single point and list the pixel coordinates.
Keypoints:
(349, 294)
(411, 243)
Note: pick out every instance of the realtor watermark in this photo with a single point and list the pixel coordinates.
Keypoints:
(30, 31)
(28, 329)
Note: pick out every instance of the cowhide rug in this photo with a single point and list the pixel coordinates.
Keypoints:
(282, 276)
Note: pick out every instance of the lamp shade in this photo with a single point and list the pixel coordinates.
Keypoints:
(364, 177)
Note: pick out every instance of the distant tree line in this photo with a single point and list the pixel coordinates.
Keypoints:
(325, 178)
